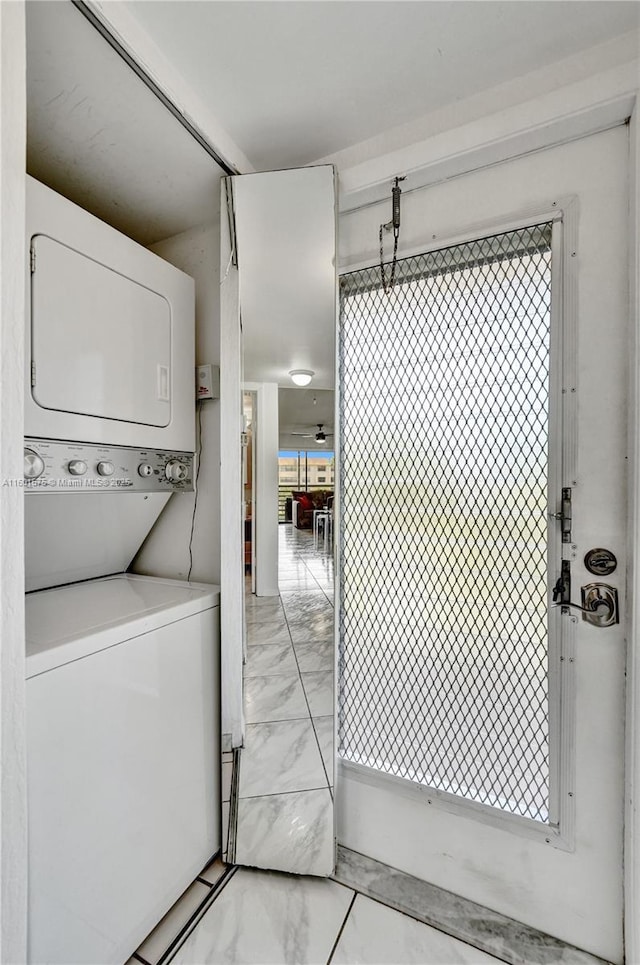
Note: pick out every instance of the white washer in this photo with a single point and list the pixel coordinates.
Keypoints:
(123, 742)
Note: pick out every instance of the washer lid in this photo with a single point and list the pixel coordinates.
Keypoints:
(70, 622)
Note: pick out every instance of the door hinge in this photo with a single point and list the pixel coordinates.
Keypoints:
(33, 374)
(564, 516)
(32, 259)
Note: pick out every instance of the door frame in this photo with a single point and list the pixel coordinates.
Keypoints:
(594, 111)
(632, 722)
(264, 527)
(13, 796)
(562, 434)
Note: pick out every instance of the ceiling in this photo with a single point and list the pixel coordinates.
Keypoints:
(300, 411)
(295, 81)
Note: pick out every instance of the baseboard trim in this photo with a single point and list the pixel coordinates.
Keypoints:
(505, 939)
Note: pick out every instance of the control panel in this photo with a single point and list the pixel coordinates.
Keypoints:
(52, 466)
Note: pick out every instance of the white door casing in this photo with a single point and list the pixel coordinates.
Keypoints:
(576, 894)
(13, 791)
(264, 569)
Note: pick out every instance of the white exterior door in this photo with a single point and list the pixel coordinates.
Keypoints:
(557, 867)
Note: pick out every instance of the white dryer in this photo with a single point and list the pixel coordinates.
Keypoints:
(110, 334)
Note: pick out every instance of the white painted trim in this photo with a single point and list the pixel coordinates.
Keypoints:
(566, 281)
(573, 111)
(231, 522)
(470, 232)
(453, 803)
(265, 483)
(118, 21)
(533, 85)
(13, 801)
(560, 635)
(632, 755)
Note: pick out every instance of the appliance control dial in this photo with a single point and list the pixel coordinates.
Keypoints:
(176, 471)
(105, 468)
(144, 469)
(77, 467)
(33, 464)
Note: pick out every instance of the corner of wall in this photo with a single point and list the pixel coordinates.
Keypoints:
(186, 537)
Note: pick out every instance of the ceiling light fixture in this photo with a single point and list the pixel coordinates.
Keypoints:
(301, 376)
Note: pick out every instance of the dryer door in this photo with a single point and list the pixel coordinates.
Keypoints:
(101, 342)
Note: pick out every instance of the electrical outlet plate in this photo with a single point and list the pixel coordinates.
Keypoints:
(207, 381)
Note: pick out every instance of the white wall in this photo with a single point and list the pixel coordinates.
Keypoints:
(165, 552)
(13, 816)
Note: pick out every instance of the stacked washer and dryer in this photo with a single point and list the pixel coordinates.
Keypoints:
(122, 669)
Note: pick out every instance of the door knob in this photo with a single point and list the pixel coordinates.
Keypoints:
(599, 603)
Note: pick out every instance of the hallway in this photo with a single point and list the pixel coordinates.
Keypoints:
(286, 768)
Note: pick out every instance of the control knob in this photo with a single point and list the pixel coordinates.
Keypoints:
(144, 469)
(105, 468)
(77, 467)
(33, 464)
(176, 471)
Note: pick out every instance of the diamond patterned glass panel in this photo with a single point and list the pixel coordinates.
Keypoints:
(444, 427)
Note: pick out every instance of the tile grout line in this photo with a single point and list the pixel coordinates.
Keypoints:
(329, 783)
(315, 733)
(214, 891)
(342, 927)
(301, 790)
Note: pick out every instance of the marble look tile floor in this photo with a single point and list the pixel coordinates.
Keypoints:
(284, 812)
(367, 913)
(261, 917)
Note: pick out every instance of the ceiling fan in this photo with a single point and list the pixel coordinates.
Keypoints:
(320, 436)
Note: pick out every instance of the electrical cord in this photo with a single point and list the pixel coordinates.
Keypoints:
(195, 487)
